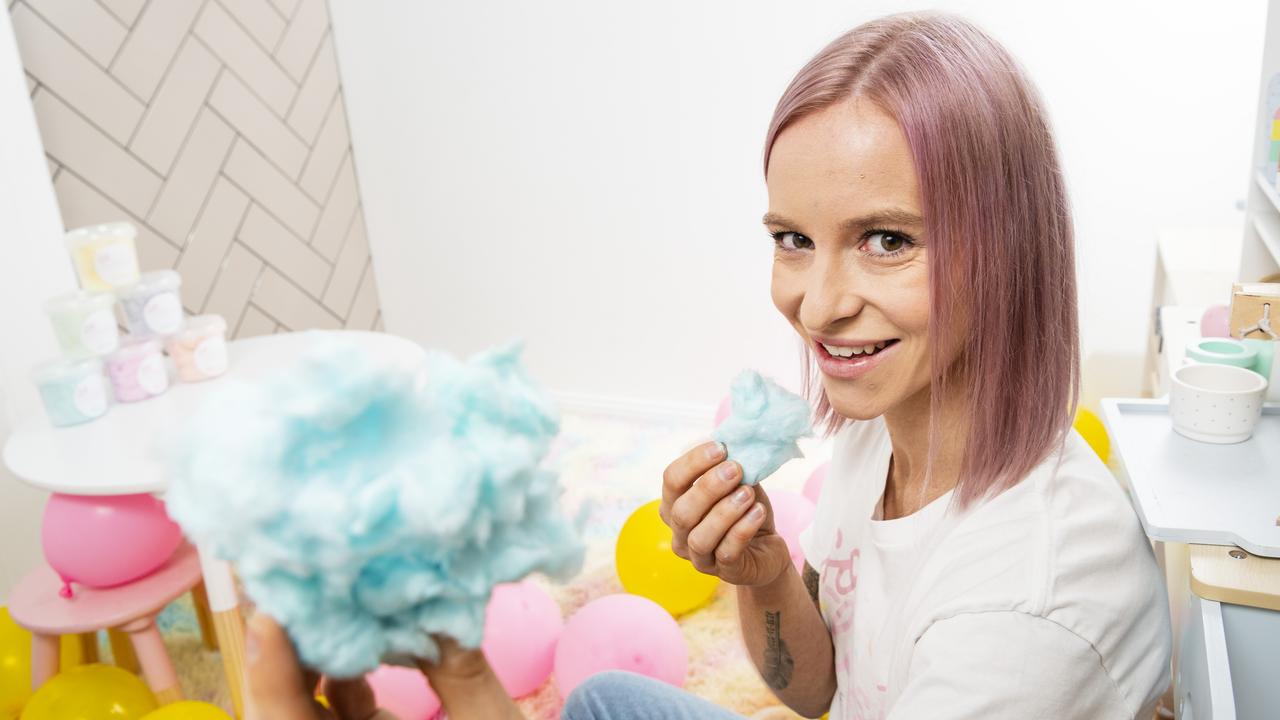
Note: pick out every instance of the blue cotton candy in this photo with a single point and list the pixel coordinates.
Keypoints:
(764, 422)
(368, 504)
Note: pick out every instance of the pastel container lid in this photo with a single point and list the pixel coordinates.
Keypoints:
(152, 282)
(202, 325)
(66, 301)
(136, 347)
(55, 370)
(106, 231)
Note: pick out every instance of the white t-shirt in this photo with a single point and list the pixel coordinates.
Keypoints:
(1043, 602)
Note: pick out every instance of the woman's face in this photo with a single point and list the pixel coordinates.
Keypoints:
(850, 268)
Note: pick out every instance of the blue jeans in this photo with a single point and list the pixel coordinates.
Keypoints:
(619, 695)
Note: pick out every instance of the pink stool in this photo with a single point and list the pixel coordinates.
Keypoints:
(36, 605)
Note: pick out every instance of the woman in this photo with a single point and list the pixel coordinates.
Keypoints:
(971, 557)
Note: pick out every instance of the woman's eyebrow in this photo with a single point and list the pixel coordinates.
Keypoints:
(887, 216)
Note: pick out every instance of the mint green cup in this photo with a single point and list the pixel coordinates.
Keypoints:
(1222, 351)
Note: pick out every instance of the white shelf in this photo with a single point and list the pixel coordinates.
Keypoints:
(1193, 492)
(1268, 190)
(1268, 228)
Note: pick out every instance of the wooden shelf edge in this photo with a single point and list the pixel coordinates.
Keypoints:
(1251, 581)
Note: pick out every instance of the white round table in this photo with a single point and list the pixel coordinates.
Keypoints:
(117, 454)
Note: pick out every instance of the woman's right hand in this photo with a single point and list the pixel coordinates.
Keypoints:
(724, 528)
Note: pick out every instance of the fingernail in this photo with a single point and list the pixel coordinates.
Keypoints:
(727, 471)
(715, 451)
(741, 496)
(757, 512)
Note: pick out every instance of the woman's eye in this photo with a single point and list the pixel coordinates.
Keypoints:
(887, 243)
(792, 241)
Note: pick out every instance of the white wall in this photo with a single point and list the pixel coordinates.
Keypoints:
(33, 266)
(586, 175)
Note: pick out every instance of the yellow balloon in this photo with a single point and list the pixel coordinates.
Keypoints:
(188, 710)
(647, 566)
(15, 666)
(91, 692)
(1093, 432)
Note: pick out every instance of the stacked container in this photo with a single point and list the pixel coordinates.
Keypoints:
(95, 357)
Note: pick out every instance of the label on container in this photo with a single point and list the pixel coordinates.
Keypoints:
(152, 375)
(115, 263)
(90, 396)
(98, 332)
(211, 356)
(163, 313)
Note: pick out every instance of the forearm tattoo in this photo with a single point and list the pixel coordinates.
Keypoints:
(778, 663)
(811, 584)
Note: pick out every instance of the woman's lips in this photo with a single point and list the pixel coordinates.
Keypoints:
(854, 367)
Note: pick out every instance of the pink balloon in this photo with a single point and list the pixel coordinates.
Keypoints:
(620, 632)
(722, 412)
(403, 692)
(521, 626)
(792, 513)
(109, 540)
(1214, 322)
(813, 486)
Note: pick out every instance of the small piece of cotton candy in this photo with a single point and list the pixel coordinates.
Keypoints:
(764, 422)
(368, 505)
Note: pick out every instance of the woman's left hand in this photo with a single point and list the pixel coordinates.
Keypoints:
(279, 689)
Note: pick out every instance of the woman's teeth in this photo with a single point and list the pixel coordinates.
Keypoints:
(842, 351)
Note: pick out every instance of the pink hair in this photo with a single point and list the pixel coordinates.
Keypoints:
(998, 225)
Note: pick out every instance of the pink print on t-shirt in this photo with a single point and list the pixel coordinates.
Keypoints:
(840, 579)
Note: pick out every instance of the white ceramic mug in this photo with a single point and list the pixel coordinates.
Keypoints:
(1216, 403)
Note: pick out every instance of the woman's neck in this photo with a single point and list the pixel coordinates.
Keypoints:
(905, 490)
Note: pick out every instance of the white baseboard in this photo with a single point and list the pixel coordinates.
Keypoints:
(635, 408)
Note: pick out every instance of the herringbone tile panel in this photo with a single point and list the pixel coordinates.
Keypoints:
(218, 128)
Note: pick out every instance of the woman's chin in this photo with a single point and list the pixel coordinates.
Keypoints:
(855, 408)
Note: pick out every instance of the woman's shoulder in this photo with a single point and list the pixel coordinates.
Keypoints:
(1064, 545)
(1067, 529)
(1101, 565)
(1069, 506)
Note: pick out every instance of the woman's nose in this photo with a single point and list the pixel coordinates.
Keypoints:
(831, 295)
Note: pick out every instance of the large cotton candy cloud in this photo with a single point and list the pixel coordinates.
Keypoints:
(369, 504)
(764, 422)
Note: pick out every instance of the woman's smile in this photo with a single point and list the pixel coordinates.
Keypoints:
(851, 359)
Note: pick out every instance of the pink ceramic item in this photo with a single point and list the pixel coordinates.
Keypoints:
(1214, 321)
